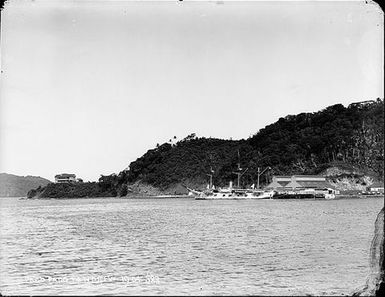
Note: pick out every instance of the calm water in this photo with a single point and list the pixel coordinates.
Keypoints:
(185, 246)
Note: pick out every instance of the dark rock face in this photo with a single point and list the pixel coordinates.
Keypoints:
(375, 283)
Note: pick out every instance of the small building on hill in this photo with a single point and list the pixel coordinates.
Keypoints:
(65, 178)
(299, 182)
(377, 187)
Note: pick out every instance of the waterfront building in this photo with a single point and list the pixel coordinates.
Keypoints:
(377, 187)
(296, 182)
(65, 178)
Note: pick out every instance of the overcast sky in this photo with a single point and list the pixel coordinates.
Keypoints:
(89, 86)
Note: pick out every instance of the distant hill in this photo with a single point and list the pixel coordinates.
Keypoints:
(18, 186)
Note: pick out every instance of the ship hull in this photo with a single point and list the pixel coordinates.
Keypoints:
(236, 196)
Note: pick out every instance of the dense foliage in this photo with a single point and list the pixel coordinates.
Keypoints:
(189, 159)
(73, 190)
(305, 143)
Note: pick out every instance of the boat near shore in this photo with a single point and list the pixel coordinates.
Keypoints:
(281, 187)
(232, 194)
(255, 194)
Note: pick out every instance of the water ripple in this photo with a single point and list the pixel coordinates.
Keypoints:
(184, 247)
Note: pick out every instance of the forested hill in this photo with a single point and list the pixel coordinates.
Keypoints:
(308, 143)
(343, 143)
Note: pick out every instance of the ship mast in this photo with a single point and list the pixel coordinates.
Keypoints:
(211, 178)
(239, 173)
(260, 173)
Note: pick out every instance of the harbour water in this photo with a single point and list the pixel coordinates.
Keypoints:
(185, 246)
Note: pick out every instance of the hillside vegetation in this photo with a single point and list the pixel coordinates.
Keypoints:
(349, 138)
(340, 142)
(73, 190)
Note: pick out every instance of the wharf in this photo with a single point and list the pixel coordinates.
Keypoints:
(298, 196)
(156, 196)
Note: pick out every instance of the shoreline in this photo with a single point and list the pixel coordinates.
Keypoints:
(339, 197)
(122, 197)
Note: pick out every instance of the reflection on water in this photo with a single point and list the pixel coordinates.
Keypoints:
(184, 246)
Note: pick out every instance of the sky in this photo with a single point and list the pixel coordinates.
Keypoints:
(89, 86)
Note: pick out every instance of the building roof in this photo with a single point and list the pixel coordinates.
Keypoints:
(65, 175)
(283, 183)
(300, 181)
(315, 184)
(278, 177)
(309, 176)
